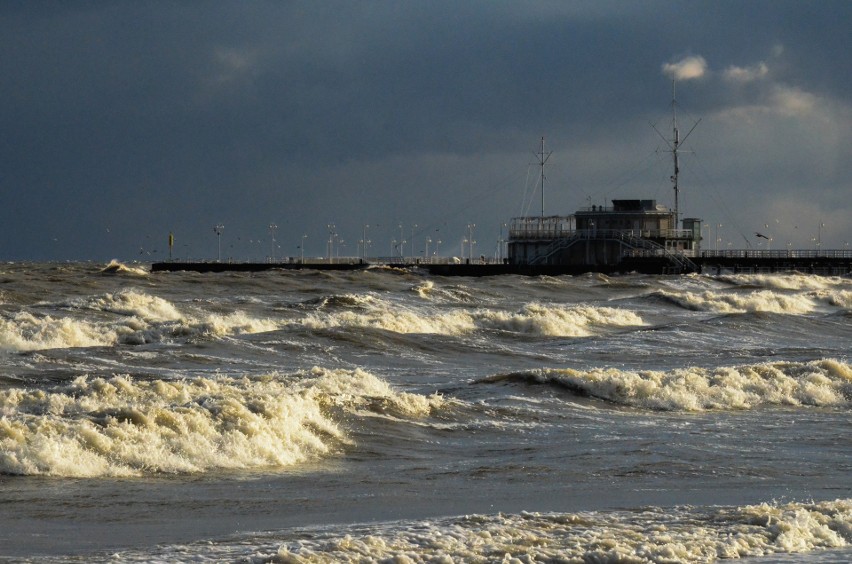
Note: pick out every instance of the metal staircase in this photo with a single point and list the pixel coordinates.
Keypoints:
(680, 263)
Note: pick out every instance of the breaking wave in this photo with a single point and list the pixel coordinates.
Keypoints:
(116, 267)
(142, 319)
(757, 301)
(533, 319)
(653, 534)
(787, 281)
(26, 332)
(119, 426)
(826, 382)
(131, 302)
(574, 321)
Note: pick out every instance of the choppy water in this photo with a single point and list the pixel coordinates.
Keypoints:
(391, 416)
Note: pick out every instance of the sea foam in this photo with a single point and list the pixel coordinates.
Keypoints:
(649, 535)
(119, 426)
(826, 382)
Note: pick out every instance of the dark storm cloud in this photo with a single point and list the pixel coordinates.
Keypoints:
(122, 122)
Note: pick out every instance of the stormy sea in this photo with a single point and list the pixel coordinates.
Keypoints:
(391, 416)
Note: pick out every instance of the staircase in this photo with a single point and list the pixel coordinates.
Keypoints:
(646, 247)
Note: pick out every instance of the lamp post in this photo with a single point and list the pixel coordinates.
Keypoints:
(302, 249)
(364, 243)
(470, 241)
(218, 231)
(330, 244)
(426, 254)
(819, 236)
(718, 225)
(413, 227)
(272, 228)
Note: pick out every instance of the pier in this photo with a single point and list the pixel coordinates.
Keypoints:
(747, 261)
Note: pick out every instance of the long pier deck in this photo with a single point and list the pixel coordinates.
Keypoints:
(828, 262)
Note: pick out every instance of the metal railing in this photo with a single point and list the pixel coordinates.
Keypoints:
(534, 232)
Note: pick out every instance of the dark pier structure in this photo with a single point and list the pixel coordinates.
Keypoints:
(827, 263)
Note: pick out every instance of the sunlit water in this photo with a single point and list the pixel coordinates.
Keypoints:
(388, 415)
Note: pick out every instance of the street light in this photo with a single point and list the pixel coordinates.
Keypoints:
(218, 231)
(331, 235)
(470, 241)
(302, 249)
(272, 228)
(364, 243)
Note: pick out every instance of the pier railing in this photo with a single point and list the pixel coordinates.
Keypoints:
(779, 254)
(547, 232)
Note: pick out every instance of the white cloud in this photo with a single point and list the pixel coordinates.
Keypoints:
(687, 68)
(746, 74)
(791, 101)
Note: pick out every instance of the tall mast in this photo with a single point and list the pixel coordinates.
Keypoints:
(674, 146)
(675, 143)
(542, 158)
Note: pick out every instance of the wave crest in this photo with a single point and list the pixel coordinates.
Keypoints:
(139, 304)
(758, 301)
(116, 267)
(556, 321)
(119, 426)
(533, 319)
(826, 382)
(27, 332)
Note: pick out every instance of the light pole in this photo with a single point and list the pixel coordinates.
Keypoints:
(218, 231)
(819, 236)
(364, 243)
(302, 249)
(426, 254)
(272, 228)
(718, 225)
(330, 245)
(413, 227)
(470, 241)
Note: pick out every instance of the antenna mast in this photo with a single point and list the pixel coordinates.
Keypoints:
(542, 158)
(675, 143)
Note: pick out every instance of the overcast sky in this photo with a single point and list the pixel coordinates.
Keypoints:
(121, 122)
